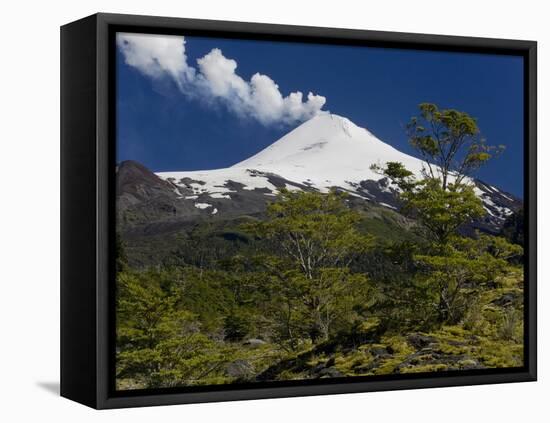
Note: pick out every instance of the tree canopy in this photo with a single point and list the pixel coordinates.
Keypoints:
(306, 291)
(450, 143)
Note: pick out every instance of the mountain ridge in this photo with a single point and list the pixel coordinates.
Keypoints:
(326, 152)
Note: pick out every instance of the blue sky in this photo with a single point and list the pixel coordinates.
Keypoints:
(166, 126)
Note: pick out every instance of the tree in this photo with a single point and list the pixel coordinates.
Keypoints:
(513, 228)
(236, 326)
(314, 241)
(121, 259)
(158, 343)
(403, 303)
(459, 270)
(449, 141)
(440, 210)
(451, 268)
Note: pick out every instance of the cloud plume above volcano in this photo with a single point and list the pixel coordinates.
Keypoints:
(215, 79)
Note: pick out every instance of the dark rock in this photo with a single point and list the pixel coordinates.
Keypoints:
(450, 361)
(419, 341)
(492, 222)
(254, 342)
(317, 369)
(240, 369)
(380, 352)
(471, 365)
(366, 368)
(330, 362)
(509, 299)
(330, 372)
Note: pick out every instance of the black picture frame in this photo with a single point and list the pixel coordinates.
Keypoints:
(87, 208)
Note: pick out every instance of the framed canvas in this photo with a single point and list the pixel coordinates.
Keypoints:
(257, 211)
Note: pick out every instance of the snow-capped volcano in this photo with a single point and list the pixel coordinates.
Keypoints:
(324, 152)
(327, 151)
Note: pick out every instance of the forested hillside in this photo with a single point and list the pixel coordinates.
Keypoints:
(323, 285)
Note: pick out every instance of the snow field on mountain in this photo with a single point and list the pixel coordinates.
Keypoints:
(324, 152)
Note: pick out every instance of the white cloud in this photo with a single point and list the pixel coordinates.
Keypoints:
(156, 56)
(216, 79)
